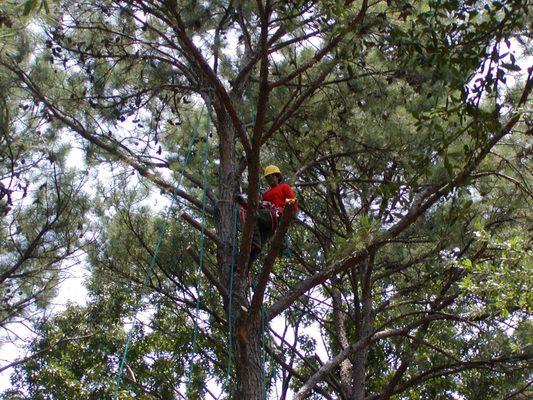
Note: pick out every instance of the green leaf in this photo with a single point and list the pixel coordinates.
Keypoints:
(29, 6)
(448, 166)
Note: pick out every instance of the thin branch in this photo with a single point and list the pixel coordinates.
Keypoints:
(197, 225)
(43, 351)
(207, 271)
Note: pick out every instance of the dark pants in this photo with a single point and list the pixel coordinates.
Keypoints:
(262, 232)
(262, 228)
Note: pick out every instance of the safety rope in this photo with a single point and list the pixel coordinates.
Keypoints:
(148, 274)
(202, 248)
(230, 302)
(231, 278)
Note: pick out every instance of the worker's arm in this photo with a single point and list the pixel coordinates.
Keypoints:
(290, 197)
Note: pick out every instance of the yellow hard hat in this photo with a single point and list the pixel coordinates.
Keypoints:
(271, 169)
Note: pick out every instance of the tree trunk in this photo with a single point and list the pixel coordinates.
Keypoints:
(246, 335)
(248, 360)
(359, 372)
(227, 185)
(365, 327)
(339, 321)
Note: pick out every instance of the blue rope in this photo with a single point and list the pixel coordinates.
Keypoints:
(231, 282)
(148, 274)
(230, 295)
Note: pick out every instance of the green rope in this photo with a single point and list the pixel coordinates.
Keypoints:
(231, 281)
(202, 248)
(230, 302)
(148, 274)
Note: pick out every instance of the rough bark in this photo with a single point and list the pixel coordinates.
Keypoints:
(339, 321)
(366, 329)
(248, 363)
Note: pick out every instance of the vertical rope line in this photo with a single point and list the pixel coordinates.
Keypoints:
(231, 282)
(230, 302)
(148, 274)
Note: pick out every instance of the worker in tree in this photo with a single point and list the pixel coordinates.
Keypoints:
(270, 208)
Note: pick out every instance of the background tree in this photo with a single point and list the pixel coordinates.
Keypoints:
(42, 209)
(404, 142)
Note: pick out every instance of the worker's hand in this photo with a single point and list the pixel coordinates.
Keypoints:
(291, 202)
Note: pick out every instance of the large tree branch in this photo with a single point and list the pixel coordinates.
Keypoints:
(196, 58)
(113, 148)
(442, 371)
(262, 98)
(275, 249)
(423, 201)
(335, 361)
(319, 55)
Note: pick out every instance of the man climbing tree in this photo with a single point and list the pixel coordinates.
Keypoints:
(270, 208)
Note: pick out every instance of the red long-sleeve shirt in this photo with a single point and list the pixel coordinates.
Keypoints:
(278, 194)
